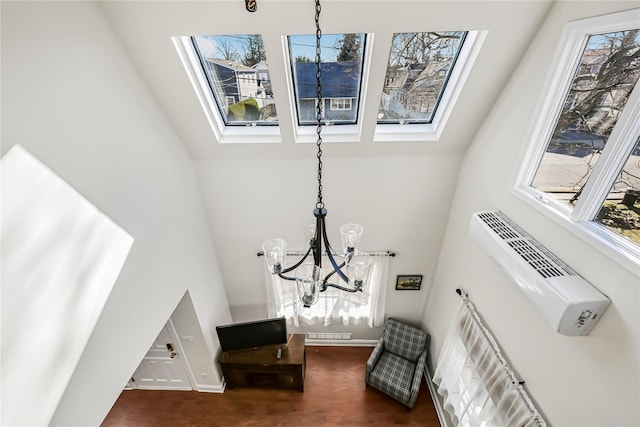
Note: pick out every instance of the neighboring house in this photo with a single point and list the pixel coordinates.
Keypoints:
(596, 115)
(262, 70)
(412, 91)
(237, 82)
(340, 86)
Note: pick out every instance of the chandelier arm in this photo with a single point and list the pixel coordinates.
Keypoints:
(329, 248)
(316, 245)
(336, 268)
(296, 265)
(282, 276)
(328, 276)
(342, 288)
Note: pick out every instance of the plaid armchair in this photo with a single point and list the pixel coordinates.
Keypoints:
(397, 362)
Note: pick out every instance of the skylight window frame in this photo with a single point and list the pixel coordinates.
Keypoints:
(440, 93)
(224, 134)
(331, 133)
(580, 219)
(410, 132)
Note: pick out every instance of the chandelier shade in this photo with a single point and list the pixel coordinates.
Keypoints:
(275, 253)
(348, 270)
(309, 281)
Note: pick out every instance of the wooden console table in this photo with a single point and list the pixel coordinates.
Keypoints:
(261, 367)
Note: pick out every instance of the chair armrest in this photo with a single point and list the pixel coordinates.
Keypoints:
(417, 378)
(373, 359)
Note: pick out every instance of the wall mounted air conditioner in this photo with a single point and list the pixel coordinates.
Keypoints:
(568, 302)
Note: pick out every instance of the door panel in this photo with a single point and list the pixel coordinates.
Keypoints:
(162, 369)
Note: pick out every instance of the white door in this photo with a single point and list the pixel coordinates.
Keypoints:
(163, 367)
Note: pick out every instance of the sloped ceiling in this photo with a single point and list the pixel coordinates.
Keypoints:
(400, 191)
(146, 27)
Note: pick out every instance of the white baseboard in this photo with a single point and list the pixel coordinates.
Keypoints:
(164, 388)
(207, 388)
(340, 343)
(445, 421)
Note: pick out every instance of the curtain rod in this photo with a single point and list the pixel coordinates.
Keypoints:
(535, 414)
(300, 253)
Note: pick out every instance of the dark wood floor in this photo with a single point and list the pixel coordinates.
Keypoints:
(334, 395)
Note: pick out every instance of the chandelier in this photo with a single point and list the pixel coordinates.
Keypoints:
(349, 270)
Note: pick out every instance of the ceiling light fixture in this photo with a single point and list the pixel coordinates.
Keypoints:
(351, 267)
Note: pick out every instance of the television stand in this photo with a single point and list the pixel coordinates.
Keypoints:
(261, 366)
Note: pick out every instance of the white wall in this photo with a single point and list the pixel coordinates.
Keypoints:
(401, 220)
(73, 99)
(60, 260)
(576, 381)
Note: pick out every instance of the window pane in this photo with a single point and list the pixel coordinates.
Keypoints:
(621, 210)
(607, 72)
(341, 66)
(238, 74)
(419, 66)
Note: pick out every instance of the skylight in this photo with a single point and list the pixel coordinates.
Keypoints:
(341, 77)
(237, 72)
(425, 75)
(417, 72)
(232, 79)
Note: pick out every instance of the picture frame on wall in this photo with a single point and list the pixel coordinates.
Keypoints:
(409, 282)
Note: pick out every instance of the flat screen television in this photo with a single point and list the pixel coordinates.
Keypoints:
(258, 333)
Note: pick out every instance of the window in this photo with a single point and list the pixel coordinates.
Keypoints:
(417, 72)
(333, 306)
(341, 67)
(425, 75)
(230, 75)
(235, 67)
(621, 208)
(341, 104)
(585, 156)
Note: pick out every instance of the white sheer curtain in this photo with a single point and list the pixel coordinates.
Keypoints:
(333, 306)
(478, 387)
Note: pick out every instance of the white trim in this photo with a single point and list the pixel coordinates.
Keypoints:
(341, 343)
(208, 388)
(153, 387)
(223, 134)
(432, 131)
(579, 219)
(443, 416)
(606, 242)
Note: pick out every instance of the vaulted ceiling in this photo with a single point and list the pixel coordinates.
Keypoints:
(399, 191)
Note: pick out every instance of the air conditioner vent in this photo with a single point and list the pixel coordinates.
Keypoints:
(499, 226)
(540, 263)
(534, 254)
(568, 302)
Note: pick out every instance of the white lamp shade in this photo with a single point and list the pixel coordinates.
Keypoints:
(309, 280)
(351, 234)
(358, 268)
(275, 253)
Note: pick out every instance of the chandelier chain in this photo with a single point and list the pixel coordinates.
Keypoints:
(319, 202)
